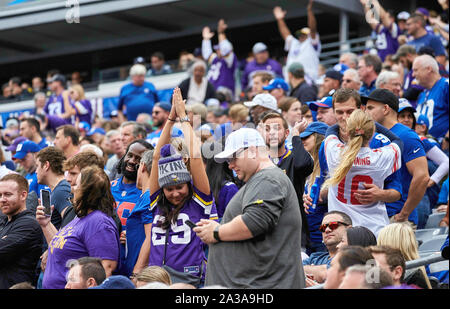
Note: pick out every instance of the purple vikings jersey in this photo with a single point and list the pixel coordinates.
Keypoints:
(83, 110)
(271, 66)
(221, 72)
(386, 42)
(184, 249)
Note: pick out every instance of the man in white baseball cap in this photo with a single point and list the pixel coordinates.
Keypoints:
(261, 103)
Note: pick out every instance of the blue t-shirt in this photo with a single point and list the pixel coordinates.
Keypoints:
(429, 40)
(34, 185)
(412, 149)
(433, 103)
(318, 258)
(60, 198)
(137, 99)
(443, 194)
(365, 90)
(139, 217)
(43, 143)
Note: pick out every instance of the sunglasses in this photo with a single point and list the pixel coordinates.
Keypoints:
(236, 154)
(332, 225)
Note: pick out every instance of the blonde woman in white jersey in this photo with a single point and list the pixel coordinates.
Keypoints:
(353, 164)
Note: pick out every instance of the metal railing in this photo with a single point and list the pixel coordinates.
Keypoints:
(431, 259)
(331, 56)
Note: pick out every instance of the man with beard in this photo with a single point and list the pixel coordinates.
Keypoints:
(296, 163)
(160, 114)
(125, 192)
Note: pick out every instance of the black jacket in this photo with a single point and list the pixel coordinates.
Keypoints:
(20, 248)
(184, 87)
(298, 165)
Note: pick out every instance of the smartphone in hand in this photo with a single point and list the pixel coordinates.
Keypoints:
(45, 201)
(190, 224)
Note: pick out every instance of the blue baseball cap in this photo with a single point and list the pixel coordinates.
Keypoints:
(315, 127)
(164, 105)
(341, 68)
(422, 119)
(96, 130)
(277, 83)
(403, 104)
(15, 143)
(24, 148)
(84, 126)
(115, 282)
(326, 102)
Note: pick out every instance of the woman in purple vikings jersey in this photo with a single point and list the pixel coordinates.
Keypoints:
(92, 232)
(178, 195)
(82, 106)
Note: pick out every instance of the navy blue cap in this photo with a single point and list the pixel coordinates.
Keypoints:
(277, 83)
(334, 75)
(164, 105)
(315, 127)
(116, 282)
(24, 148)
(326, 102)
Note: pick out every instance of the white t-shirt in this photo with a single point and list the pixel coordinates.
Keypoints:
(307, 53)
(370, 166)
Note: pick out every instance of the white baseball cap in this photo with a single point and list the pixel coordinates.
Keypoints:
(265, 100)
(403, 15)
(242, 138)
(259, 48)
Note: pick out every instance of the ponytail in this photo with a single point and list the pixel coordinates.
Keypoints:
(360, 127)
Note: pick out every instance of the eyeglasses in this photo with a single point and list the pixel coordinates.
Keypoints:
(236, 154)
(347, 80)
(332, 225)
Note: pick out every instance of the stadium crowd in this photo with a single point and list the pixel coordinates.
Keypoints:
(252, 174)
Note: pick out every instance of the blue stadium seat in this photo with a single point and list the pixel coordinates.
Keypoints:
(434, 243)
(427, 234)
(434, 219)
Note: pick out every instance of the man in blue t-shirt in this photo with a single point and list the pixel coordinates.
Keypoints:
(383, 105)
(160, 115)
(137, 97)
(31, 129)
(433, 101)
(415, 26)
(126, 194)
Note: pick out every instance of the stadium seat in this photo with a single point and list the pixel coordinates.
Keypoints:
(434, 219)
(433, 244)
(427, 234)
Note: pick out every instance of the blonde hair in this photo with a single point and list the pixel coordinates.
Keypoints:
(154, 274)
(401, 236)
(238, 112)
(198, 109)
(360, 128)
(78, 88)
(315, 155)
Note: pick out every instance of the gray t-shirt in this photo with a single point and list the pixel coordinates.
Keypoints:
(272, 258)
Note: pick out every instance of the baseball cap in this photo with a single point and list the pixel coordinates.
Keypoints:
(426, 50)
(403, 15)
(334, 74)
(326, 102)
(224, 47)
(12, 122)
(84, 126)
(259, 47)
(341, 68)
(113, 114)
(24, 148)
(116, 282)
(304, 31)
(314, 127)
(139, 60)
(404, 50)
(422, 119)
(58, 77)
(96, 130)
(383, 96)
(423, 11)
(296, 66)
(403, 104)
(265, 100)
(242, 138)
(277, 83)
(16, 142)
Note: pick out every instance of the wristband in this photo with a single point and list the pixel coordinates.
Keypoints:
(216, 234)
(171, 119)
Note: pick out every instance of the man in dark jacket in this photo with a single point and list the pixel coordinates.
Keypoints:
(296, 163)
(20, 234)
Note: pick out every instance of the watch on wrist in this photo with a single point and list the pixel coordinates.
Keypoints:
(184, 119)
(216, 234)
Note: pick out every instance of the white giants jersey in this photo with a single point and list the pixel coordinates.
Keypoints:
(371, 166)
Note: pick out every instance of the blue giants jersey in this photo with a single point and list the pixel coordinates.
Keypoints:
(433, 103)
(126, 197)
